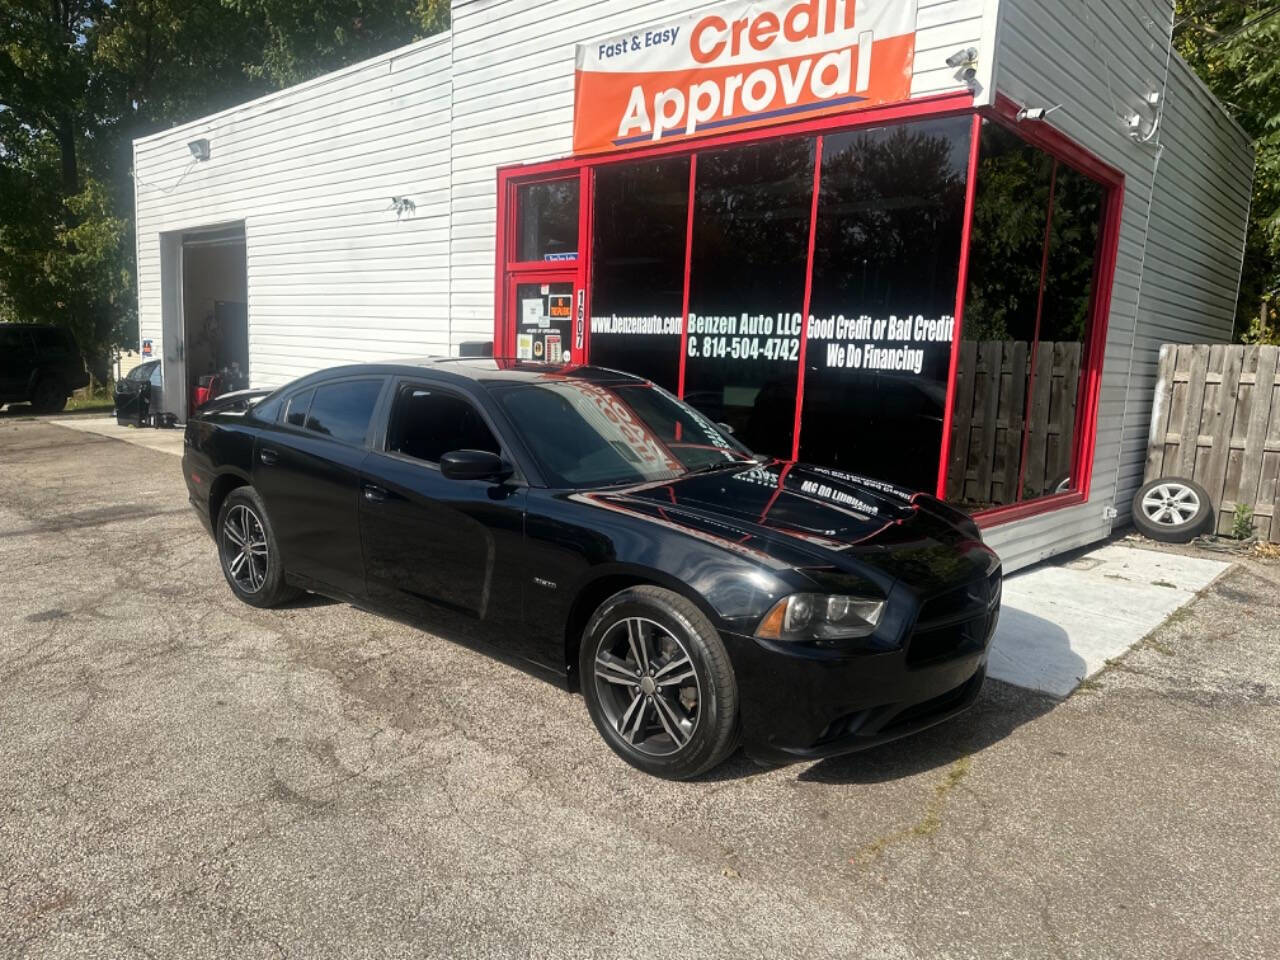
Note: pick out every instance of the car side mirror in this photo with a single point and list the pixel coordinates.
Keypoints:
(474, 465)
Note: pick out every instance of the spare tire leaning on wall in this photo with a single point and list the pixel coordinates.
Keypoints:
(1173, 510)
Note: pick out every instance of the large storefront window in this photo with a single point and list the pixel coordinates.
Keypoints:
(637, 276)
(698, 265)
(1032, 261)
(746, 288)
(886, 262)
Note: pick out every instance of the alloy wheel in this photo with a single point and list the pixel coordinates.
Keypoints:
(245, 547)
(647, 686)
(1171, 504)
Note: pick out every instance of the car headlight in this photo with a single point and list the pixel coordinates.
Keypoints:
(815, 616)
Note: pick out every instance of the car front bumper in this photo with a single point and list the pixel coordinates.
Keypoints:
(807, 705)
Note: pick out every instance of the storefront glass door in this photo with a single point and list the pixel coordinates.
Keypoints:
(542, 312)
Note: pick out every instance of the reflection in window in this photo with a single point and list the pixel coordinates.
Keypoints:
(886, 260)
(637, 275)
(746, 293)
(296, 415)
(1068, 297)
(1032, 264)
(343, 410)
(547, 220)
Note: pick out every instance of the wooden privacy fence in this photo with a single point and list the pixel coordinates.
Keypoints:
(991, 414)
(1216, 420)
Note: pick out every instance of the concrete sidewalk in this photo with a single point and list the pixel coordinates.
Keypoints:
(164, 441)
(1063, 620)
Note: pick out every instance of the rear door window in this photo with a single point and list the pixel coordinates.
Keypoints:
(427, 423)
(344, 410)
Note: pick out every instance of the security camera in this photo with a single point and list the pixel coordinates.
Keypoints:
(962, 57)
(1036, 114)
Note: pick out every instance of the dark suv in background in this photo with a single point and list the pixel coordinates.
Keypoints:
(39, 365)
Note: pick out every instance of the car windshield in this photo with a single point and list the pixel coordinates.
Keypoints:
(589, 434)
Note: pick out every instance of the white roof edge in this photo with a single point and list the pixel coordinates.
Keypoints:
(324, 78)
(1213, 98)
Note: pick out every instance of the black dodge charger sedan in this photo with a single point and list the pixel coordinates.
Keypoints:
(587, 522)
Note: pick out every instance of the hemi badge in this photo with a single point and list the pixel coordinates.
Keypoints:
(544, 583)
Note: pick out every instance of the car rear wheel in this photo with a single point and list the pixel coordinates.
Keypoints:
(248, 552)
(48, 397)
(658, 683)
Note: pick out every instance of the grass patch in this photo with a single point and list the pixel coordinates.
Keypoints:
(99, 401)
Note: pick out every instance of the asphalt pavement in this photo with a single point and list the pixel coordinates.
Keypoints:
(185, 776)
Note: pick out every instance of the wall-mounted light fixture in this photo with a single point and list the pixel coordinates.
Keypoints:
(199, 149)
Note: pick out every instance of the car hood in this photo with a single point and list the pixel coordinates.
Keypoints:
(816, 518)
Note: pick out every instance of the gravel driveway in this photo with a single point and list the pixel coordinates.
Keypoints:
(184, 776)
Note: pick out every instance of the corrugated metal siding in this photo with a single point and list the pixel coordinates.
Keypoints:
(513, 103)
(1099, 61)
(333, 276)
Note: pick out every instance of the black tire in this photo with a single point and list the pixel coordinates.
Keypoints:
(676, 732)
(48, 396)
(1173, 510)
(257, 580)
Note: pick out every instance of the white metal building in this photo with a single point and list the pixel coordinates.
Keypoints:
(459, 189)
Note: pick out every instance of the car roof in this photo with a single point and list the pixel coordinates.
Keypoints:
(487, 370)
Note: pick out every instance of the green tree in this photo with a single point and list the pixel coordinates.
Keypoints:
(80, 79)
(1235, 47)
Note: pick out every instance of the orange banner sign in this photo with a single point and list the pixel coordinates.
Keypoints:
(742, 65)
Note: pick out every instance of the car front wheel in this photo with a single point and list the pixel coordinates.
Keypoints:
(658, 683)
(248, 552)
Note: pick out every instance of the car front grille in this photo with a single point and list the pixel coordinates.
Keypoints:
(956, 623)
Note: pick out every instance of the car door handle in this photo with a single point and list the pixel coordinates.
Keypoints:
(375, 494)
(268, 456)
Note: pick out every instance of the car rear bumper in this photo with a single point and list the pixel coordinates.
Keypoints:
(806, 705)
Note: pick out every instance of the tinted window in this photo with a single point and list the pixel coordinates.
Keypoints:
(746, 288)
(1078, 204)
(427, 423)
(343, 410)
(157, 375)
(142, 372)
(1035, 236)
(296, 413)
(268, 410)
(886, 262)
(586, 434)
(637, 289)
(547, 220)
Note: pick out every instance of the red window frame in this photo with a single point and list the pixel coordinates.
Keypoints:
(1039, 134)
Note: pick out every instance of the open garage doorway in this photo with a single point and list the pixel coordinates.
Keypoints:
(215, 316)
